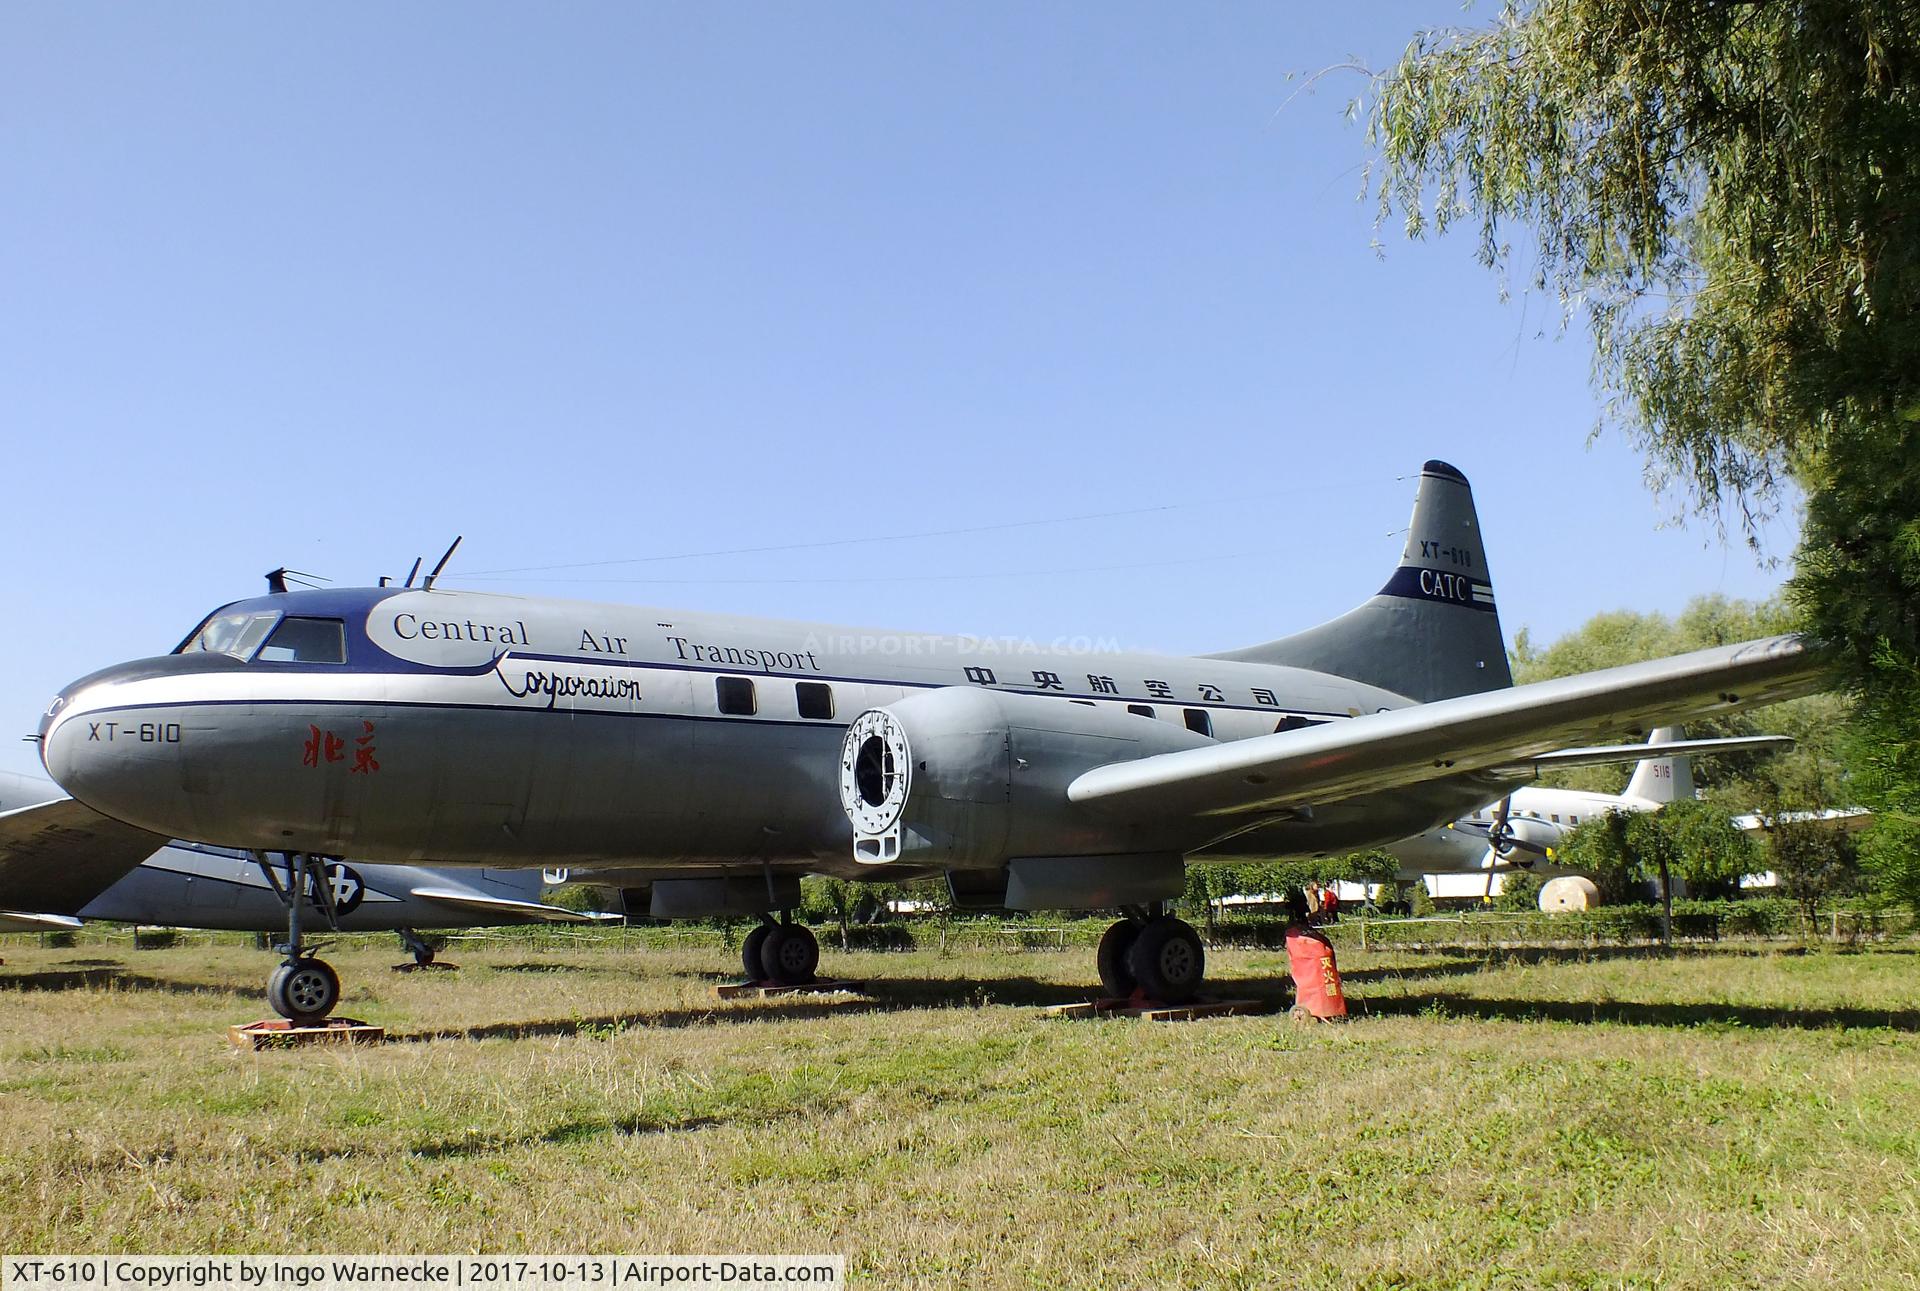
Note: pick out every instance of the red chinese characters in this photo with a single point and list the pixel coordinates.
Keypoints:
(322, 747)
(363, 760)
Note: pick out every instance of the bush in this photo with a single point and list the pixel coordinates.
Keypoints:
(1519, 891)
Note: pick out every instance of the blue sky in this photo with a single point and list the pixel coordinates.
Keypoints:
(326, 285)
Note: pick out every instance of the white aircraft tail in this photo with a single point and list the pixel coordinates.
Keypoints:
(1432, 632)
(1662, 780)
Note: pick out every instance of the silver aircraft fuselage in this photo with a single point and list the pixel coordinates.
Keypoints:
(476, 729)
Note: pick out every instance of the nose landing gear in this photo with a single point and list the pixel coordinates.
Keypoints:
(304, 988)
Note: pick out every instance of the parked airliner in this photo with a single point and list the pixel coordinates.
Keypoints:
(1526, 829)
(726, 756)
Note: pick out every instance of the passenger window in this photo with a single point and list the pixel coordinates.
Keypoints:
(306, 641)
(735, 695)
(1573, 820)
(1140, 710)
(1556, 817)
(1199, 721)
(814, 697)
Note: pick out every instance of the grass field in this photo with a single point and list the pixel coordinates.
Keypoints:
(1725, 1117)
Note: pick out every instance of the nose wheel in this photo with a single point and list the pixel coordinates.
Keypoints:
(303, 988)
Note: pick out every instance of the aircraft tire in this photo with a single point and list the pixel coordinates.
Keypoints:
(303, 990)
(1168, 960)
(789, 955)
(1116, 979)
(750, 953)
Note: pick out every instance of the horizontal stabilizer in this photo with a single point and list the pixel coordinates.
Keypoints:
(511, 911)
(1598, 754)
(21, 921)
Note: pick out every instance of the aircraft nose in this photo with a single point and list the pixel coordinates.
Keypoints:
(107, 742)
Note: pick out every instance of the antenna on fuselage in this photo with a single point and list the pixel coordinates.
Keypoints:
(428, 585)
(414, 572)
(277, 580)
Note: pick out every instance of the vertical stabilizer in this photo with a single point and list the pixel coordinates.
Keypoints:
(1432, 632)
(1662, 780)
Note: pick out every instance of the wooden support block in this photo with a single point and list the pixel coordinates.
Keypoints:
(766, 990)
(278, 1033)
(1152, 1011)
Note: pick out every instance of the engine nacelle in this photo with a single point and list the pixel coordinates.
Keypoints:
(970, 779)
(1529, 840)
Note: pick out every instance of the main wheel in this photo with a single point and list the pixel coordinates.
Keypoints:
(750, 953)
(304, 990)
(789, 955)
(1115, 977)
(1168, 961)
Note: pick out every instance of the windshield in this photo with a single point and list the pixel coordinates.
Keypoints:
(238, 634)
(299, 640)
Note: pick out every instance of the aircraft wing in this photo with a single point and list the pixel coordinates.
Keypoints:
(1640, 752)
(57, 856)
(22, 921)
(1448, 738)
(1845, 820)
(517, 911)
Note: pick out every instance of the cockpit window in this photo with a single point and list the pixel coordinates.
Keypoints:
(306, 641)
(238, 634)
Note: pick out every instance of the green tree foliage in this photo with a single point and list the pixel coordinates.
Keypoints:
(1728, 194)
(1622, 851)
(843, 902)
(1814, 862)
(1890, 857)
(1885, 759)
(1727, 191)
(1208, 885)
(1519, 891)
(1598, 847)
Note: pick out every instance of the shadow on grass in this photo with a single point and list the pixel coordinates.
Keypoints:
(884, 997)
(83, 978)
(1461, 963)
(1624, 1013)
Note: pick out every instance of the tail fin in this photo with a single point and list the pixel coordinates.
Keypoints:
(1432, 632)
(1662, 779)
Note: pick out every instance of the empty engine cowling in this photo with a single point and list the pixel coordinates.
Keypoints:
(1570, 893)
(968, 779)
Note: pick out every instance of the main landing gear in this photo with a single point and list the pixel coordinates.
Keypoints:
(781, 953)
(303, 989)
(1153, 953)
(423, 951)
